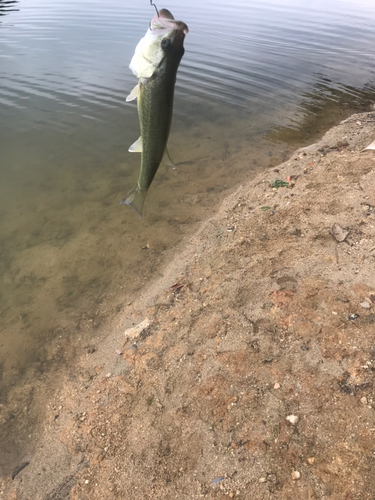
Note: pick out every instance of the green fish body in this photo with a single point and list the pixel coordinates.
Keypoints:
(155, 63)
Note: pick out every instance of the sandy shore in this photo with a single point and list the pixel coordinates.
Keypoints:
(252, 372)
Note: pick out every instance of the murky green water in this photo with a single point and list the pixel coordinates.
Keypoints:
(257, 79)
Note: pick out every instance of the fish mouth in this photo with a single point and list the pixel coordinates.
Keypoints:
(166, 22)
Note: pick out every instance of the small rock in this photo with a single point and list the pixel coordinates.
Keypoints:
(109, 375)
(276, 386)
(293, 419)
(296, 475)
(136, 330)
(364, 400)
(262, 480)
(365, 305)
(370, 146)
(353, 317)
(269, 359)
(339, 233)
(311, 460)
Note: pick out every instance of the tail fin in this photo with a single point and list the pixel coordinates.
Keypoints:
(135, 199)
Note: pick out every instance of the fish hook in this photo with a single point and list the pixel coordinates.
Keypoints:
(152, 3)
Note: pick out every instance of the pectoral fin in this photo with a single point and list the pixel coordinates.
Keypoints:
(136, 147)
(133, 94)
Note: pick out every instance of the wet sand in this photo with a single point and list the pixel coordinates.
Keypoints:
(72, 261)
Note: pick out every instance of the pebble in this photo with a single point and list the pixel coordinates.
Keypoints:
(296, 475)
(339, 233)
(276, 386)
(364, 400)
(311, 460)
(293, 419)
(353, 317)
(365, 305)
(136, 330)
(262, 480)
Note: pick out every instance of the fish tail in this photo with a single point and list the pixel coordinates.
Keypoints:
(135, 199)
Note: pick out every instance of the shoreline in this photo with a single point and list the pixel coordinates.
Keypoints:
(259, 331)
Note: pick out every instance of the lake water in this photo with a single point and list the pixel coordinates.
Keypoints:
(258, 78)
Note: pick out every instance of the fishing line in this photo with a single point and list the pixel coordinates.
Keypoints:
(151, 3)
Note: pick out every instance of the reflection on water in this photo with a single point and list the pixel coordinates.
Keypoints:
(321, 109)
(7, 6)
(253, 81)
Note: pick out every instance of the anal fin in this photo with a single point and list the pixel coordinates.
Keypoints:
(167, 160)
(136, 147)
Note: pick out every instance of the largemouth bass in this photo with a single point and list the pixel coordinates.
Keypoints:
(155, 62)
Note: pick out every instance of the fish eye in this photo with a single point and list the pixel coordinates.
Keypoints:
(165, 43)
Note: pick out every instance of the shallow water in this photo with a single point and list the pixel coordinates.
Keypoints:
(257, 78)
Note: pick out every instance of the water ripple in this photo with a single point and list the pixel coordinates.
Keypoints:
(77, 54)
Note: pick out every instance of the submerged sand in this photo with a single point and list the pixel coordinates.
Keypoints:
(252, 373)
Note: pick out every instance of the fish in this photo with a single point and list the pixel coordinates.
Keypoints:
(155, 63)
